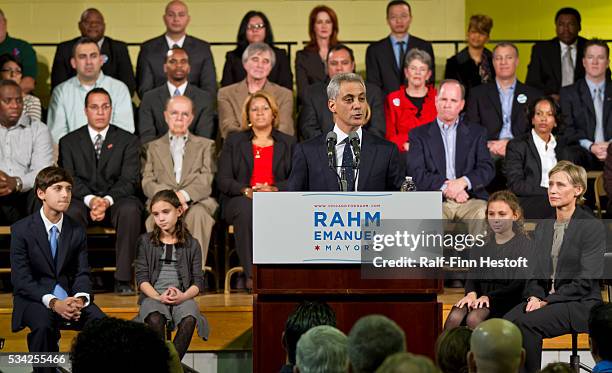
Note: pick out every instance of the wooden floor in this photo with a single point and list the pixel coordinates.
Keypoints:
(230, 318)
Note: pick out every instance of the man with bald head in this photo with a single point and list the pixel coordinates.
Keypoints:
(496, 347)
(151, 121)
(116, 59)
(149, 69)
(185, 163)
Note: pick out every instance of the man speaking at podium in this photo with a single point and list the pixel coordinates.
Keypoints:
(346, 158)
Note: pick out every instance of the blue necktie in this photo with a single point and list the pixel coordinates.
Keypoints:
(177, 92)
(58, 291)
(347, 165)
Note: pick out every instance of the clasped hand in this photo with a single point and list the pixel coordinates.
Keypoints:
(69, 308)
(172, 296)
(98, 206)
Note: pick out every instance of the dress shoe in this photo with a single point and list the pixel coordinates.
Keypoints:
(124, 288)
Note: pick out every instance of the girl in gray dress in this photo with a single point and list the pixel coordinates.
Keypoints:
(169, 273)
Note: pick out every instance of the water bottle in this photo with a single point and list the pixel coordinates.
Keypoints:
(408, 185)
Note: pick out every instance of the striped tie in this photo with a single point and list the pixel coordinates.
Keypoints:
(98, 145)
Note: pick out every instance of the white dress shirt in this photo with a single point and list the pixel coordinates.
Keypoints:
(172, 43)
(92, 135)
(548, 158)
(340, 151)
(172, 88)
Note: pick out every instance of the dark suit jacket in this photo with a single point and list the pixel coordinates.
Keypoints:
(150, 67)
(116, 173)
(378, 171)
(427, 161)
(381, 65)
(523, 166)
(151, 122)
(579, 112)
(34, 273)
(463, 68)
(233, 72)
(544, 70)
(118, 63)
(315, 118)
(236, 162)
(580, 262)
(309, 69)
(484, 108)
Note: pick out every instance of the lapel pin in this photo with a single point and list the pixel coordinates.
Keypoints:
(109, 146)
(521, 98)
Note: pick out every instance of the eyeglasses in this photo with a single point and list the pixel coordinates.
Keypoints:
(11, 71)
(95, 108)
(256, 26)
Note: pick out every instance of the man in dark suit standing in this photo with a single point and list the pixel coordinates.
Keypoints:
(375, 169)
(149, 69)
(384, 58)
(117, 62)
(315, 117)
(451, 155)
(556, 63)
(151, 121)
(104, 161)
(587, 108)
(49, 268)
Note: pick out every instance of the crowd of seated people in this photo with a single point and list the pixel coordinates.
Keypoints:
(480, 131)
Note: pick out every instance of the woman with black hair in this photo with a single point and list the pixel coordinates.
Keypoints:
(255, 28)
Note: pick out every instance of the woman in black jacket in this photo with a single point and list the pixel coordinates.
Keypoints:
(531, 156)
(257, 159)
(255, 28)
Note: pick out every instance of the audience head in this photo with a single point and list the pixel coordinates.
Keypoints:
(496, 347)
(567, 184)
(545, 116)
(399, 16)
(177, 66)
(305, 316)
(504, 212)
(372, 339)
(260, 111)
(505, 61)
(567, 25)
(452, 347)
(450, 100)
(11, 103)
(322, 24)
(98, 108)
(479, 30)
(417, 67)
(600, 332)
(92, 24)
(102, 343)
(596, 59)
(558, 368)
(53, 187)
(86, 60)
(258, 59)
(176, 17)
(254, 28)
(167, 213)
(322, 349)
(179, 115)
(340, 59)
(346, 99)
(404, 362)
(10, 68)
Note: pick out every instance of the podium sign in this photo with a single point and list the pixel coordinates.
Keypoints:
(328, 227)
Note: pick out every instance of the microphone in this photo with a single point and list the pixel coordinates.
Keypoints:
(354, 141)
(331, 139)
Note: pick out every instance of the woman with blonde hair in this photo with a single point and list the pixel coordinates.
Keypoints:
(566, 269)
(257, 159)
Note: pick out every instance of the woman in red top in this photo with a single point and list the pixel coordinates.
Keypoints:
(257, 159)
(414, 104)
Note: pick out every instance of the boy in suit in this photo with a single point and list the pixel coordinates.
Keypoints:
(49, 268)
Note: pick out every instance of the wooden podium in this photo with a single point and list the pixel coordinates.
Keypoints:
(301, 253)
(279, 288)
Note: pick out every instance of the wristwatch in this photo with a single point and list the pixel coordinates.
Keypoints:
(18, 184)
